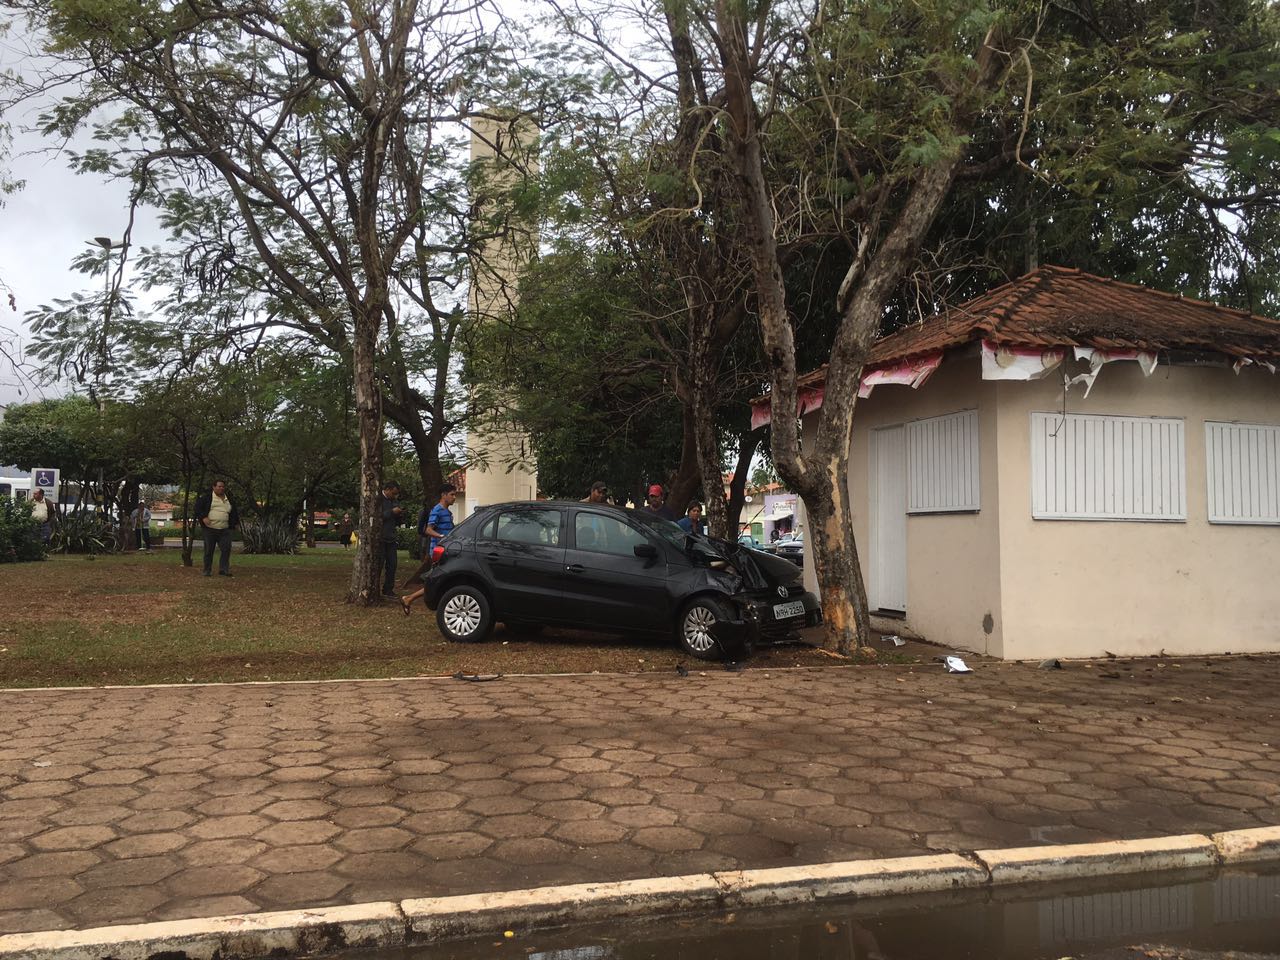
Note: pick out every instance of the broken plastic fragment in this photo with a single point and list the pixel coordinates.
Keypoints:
(956, 665)
(893, 638)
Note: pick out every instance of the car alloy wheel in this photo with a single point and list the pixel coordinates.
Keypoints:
(694, 628)
(462, 614)
(697, 629)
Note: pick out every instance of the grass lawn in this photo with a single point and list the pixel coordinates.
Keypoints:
(144, 618)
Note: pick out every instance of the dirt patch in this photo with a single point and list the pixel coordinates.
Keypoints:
(94, 607)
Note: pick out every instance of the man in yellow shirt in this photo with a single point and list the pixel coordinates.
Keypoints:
(217, 517)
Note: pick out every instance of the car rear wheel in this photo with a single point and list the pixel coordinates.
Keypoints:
(464, 615)
(693, 628)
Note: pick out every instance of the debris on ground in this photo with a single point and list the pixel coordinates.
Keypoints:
(1053, 663)
(477, 677)
(893, 638)
(956, 665)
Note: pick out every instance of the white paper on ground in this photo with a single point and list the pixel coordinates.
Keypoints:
(956, 665)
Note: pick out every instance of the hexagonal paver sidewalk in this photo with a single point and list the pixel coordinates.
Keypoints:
(152, 803)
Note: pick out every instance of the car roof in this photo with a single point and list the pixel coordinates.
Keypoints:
(607, 507)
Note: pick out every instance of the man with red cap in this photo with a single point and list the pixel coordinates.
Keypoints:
(656, 504)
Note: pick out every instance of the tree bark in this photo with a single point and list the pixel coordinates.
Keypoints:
(188, 540)
(709, 462)
(364, 587)
(684, 484)
(738, 485)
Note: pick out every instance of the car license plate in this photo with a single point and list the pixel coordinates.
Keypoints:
(784, 611)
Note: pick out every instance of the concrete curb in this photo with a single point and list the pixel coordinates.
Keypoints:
(377, 925)
(1259, 845)
(446, 918)
(857, 878)
(322, 930)
(1067, 862)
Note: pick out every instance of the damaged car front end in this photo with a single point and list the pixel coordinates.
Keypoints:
(770, 601)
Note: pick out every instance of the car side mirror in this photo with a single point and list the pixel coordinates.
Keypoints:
(645, 551)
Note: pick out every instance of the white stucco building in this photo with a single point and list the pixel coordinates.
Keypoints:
(1083, 466)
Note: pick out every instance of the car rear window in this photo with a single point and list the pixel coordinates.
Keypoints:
(534, 525)
(466, 528)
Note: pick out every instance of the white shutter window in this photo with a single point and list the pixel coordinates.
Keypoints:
(1107, 468)
(942, 464)
(1243, 464)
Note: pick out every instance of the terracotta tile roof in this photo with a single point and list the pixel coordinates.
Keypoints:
(1061, 307)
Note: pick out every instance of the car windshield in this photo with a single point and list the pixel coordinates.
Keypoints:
(689, 543)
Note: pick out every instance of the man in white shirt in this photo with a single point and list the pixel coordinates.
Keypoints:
(142, 526)
(42, 513)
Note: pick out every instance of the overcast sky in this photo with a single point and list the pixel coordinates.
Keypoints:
(46, 225)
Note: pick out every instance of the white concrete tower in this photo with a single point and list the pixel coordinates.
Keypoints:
(500, 463)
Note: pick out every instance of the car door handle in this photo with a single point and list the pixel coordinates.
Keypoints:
(493, 556)
(575, 568)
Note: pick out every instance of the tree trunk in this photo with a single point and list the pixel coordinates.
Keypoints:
(125, 540)
(688, 475)
(188, 540)
(709, 462)
(364, 588)
(738, 486)
(835, 557)
(429, 466)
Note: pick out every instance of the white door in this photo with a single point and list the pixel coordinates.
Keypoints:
(888, 586)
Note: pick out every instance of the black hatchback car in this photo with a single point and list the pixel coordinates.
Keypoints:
(598, 567)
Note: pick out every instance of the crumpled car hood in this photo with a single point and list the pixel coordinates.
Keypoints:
(758, 570)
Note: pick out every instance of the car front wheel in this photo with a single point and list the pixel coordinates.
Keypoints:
(693, 628)
(464, 615)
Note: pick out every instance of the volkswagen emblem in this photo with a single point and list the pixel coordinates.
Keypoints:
(782, 592)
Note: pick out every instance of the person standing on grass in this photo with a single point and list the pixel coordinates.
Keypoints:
(345, 527)
(439, 524)
(42, 513)
(142, 526)
(217, 517)
(392, 517)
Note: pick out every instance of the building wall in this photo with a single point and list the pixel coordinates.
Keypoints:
(1080, 588)
(501, 465)
(953, 568)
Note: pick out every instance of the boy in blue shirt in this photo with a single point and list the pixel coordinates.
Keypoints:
(438, 526)
(440, 520)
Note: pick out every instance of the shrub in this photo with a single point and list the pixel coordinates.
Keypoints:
(272, 534)
(407, 539)
(83, 532)
(19, 533)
